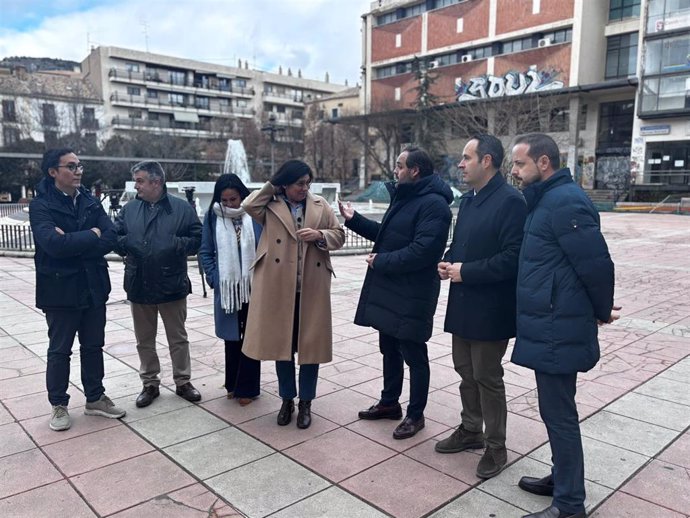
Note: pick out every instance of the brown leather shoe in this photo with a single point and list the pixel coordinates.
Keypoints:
(408, 428)
(379, 411)
(244, 401)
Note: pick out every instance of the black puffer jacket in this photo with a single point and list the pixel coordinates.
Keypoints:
(400, 293)
(71, 272)
(156, 240)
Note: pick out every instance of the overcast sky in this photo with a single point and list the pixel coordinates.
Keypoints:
(317, 36)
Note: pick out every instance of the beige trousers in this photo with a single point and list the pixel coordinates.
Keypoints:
(174, 315)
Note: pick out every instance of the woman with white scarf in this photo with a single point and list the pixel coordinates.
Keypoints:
(228, 249)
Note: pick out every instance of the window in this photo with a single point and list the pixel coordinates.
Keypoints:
(9, 113)
(667, 15)
(135, 114)
(152, 94)
(177, 99)
(559, 119)
(668, 94)
(132, 67)
(334, 113)
(397, 93)
(223, 84)
(50, 138)
(133, 90)
(10, 136)
(621, 9)
(203, 103)
(582, 121)
(240, 83)
(667, 55)
(241, 103)
(223, 102)
(88, 118)
(177, 77)
(154, 116)
(621, 55)
(49, 116)
(615, 126)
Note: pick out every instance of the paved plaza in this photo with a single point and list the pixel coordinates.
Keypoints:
(215, 458)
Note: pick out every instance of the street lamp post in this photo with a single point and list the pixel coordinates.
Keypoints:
(271, 129)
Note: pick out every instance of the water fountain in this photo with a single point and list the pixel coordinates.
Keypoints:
(236, 161)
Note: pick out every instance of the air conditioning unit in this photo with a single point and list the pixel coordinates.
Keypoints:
(466, 58)
(544, 42)
(433, 64)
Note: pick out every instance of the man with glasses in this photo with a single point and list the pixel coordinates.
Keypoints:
(156, 233)
(72, 234)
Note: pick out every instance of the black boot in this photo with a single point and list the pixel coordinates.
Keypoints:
(304, 414)
(285, 414)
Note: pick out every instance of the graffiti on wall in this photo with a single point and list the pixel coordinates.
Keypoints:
(512, 83)
(613, 172)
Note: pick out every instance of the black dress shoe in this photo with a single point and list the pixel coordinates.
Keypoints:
(408, 427)
(188, 392)
(304, 414)
(379, 411)
(537, 486)
(285, 413)
(147, 396)
(554, 512)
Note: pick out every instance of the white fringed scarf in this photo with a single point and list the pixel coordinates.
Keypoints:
(234, 274)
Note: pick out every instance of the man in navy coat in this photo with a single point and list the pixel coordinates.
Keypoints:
(564, 292)
(401, 287)
(72, 234)
(481, 264)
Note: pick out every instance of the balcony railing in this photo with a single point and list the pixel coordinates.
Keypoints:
(155, 102)
(163, 124)
(166, 79)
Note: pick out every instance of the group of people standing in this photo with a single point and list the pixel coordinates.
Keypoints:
(534, 266)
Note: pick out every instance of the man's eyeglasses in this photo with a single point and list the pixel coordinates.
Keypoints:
(72, 166)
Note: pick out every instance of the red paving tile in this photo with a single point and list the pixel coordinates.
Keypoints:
(92, 451)
(131, 482)
(621, 505)
(404, 487)
(26, 470)
(678, 453)
(54, 500)
(339, 454)
(664, 484)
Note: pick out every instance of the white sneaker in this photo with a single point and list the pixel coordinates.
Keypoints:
(104, 407)
(59, 420)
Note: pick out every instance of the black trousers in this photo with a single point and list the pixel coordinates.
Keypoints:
(62, 328)
(242, 374)
(396, 353)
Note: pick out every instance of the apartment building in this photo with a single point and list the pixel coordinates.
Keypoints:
(612, 73)
(173, 96)
(44, 106)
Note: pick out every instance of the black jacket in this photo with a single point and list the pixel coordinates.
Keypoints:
(400, 293)
(565, 279)
(156, 240)
(486, 240)
(71, 272)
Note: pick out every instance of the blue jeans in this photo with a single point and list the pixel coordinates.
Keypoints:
(308, 376)
(63, 325)
(559, 413)
(415, 355)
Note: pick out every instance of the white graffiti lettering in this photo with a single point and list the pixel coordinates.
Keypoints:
(513, 83)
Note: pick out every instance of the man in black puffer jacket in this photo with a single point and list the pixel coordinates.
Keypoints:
(72, 234)
(565, 291)
(156, 234)
(402, 285)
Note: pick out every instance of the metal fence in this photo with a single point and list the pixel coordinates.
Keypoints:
(7, 209)
(20, 238)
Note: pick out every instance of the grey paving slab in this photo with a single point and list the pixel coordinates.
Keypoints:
(217, 452)
(678, 372)
(177, 426)
(477, 504)
(667, 389)
(605, 464)
(267, 485)
(331, 503)
(505, 486)
(166, 402)
(652, 410)
(631, 434)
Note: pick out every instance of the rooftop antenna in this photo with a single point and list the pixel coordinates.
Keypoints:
(145, 25)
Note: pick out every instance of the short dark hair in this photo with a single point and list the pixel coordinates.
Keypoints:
(489, 145)
(228, 181)
(417, 157)
(51, 158)
(540, 145)
(153, 169)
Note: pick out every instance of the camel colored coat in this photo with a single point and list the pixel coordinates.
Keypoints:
(271, 310)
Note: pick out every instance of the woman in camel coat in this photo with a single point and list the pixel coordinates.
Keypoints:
(290, 309)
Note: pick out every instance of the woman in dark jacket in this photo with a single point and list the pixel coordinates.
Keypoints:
(228, 249)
